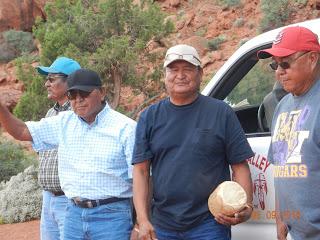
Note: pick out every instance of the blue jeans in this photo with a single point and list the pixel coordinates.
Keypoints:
(52, 216)
(209, 229)
(111, 221)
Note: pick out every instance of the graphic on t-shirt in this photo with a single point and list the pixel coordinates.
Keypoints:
(260, 189)
(288, 137)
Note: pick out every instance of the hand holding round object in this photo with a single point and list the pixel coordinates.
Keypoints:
(228, 198)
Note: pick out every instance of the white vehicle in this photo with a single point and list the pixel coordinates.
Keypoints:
(244, 82)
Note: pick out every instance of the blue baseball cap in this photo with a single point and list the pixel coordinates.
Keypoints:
(60, 65)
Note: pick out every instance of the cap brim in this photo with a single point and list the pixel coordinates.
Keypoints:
(83, 88)
(277, 52)
(193, 62)
(46, 70)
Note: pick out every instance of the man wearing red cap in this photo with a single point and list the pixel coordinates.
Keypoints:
(295, 148)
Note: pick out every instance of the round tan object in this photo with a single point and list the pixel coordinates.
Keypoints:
(228, 198)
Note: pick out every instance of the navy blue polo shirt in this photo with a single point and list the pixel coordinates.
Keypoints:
(190, 148)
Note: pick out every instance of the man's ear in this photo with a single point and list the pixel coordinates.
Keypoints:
(200, 70)
(103, 93)
(314, 57)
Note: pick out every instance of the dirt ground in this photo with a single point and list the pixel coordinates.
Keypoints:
(20, 231)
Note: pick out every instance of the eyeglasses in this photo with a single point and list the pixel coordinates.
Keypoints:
(53, 77)
(72, 94)
(284, 65)
(187, 57)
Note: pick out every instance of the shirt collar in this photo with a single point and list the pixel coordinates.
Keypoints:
(63, 107)
(100, 115)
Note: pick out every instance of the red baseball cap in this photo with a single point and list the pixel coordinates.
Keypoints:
(291, 40)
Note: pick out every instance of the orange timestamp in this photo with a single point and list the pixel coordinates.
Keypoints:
(285, 215)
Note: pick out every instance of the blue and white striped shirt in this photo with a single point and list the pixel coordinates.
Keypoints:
(94, 160)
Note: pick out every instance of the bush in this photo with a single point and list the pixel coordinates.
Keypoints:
(34, 103)
(301, 3)
(239, 22)
(275, 13)
(229, 3)
(20, 198)
(107, 36)
(7, 52)
(242, 41)
(214, 44)
(13, 159)
(201, 31)
(21, 42)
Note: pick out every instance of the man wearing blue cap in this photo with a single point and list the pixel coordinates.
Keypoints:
(54, 201)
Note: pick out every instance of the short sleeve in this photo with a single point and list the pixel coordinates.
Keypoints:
(142, 150)
(274, 120)
(128, 143)
(45, 133)
(237, 146)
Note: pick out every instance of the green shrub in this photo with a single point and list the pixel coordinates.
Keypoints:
(8, 53)
(242, 41)
(34, 103)
(201, 31)
(229, 3)
(20, 198)
(302, 3)
(13, 159)
(275, 13)
(32, 106)
(107, 36)
(19, 40)
(239, 22)
(206, 80)
(214, 44)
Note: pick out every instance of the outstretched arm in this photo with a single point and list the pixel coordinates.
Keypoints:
(14, 126)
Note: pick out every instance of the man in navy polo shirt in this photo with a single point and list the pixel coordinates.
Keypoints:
(188, 141)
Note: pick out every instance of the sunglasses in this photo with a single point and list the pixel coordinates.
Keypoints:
(186, 57)
(72, 94)
(284, 65)
(52, 77)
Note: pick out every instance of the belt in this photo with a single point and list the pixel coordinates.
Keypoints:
(95, 203)
(57, 194)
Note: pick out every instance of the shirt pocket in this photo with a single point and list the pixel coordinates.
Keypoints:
(207, 142)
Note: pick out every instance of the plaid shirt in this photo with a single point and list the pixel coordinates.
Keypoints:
(48, 170)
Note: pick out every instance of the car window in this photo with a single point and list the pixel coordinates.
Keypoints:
(253, 87)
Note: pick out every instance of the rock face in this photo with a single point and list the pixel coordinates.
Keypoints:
(11, 89)
(20, 14)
